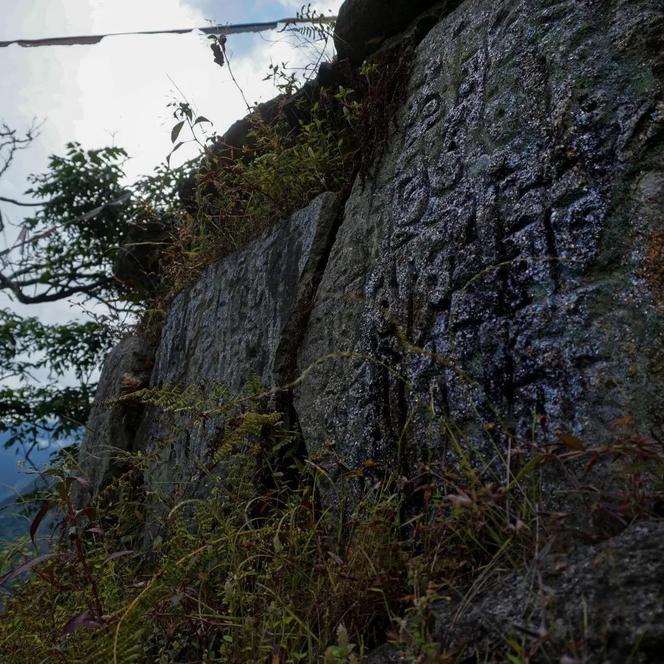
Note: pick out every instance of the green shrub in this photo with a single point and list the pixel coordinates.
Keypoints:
(281, 171)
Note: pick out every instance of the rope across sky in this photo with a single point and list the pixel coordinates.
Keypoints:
(236, 29)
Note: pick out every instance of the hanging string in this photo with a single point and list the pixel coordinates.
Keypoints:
(239, 28)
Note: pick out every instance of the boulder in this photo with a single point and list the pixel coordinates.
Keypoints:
(111, 428)
(601, 603)
(136, 264)
(241, 321)
(362, 25)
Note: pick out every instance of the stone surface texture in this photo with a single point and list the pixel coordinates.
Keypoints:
(493, 271)
(240, 320)
(497, 275)
(600, 603)
(111, 428)
(362, 25)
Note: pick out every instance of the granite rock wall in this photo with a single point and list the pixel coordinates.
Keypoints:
(494, 277)
(497, 275)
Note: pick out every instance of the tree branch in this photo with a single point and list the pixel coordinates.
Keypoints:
(13, 201)
(7, 284)
(13, 143)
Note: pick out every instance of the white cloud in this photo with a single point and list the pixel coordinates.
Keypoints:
(121, 15)
(118, 89)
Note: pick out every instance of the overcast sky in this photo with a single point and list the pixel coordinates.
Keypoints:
(117, 91)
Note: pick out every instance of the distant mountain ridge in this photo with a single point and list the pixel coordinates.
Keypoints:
(14, 478)
(15, 519)
(16, 482)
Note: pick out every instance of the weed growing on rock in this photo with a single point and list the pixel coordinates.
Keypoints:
(303, 143)
(280, 170)
(258, 571)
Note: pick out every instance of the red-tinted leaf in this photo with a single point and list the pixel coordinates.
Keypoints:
(81, 620)
(116, 555)
(29, 564)
(83, 482)
(591, 464)
(86, 511)
(43, 511)
(571, 442)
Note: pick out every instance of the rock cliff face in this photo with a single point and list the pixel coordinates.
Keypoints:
(494, 268)
(243, 319)
(497, 275)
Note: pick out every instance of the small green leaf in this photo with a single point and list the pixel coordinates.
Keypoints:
(175, 132)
